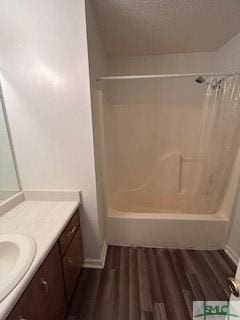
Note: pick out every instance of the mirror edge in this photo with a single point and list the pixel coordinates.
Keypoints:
(10, 138)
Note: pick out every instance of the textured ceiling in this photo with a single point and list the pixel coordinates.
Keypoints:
(146, 27)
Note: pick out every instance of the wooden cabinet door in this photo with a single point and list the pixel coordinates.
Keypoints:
(69, 233)
(48, 287)
(72, 263)
(25, 308)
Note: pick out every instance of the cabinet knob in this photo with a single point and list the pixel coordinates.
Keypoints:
(69, 261)
(45, 284)
(73, 229)
(234, 286)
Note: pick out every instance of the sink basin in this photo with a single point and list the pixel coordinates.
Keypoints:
(17, 252)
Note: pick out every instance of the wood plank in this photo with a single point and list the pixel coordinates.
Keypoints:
(227, 260)
(145, 315)
(134, 303)
(224, 263)
(179, 269)
(159, 311)
(109, 258)
(196, 288)
(188, 266)
(123, 295)
(182, 279)
(81, 289)
(188, 297)
(144, 287)
(156, 291)
(210, 286)
(175, 304)
(220, 276)
(115, 263)
(104, 309)
(90, 294)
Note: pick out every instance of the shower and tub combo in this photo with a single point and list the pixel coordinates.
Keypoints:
(171, 160)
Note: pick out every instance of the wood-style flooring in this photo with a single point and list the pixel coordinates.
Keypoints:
(151, 284)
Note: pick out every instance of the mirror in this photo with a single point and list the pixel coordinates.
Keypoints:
(9, 184)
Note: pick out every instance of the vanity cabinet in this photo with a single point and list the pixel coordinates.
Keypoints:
(50, 290)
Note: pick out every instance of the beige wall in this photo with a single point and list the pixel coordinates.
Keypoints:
(165, 63)
(228, 59)
(97, 66)
(45, 72)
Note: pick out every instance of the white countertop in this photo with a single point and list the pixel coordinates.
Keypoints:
(42, 220)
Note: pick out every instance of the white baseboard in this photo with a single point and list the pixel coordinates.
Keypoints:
(232, 254)
(97, 263)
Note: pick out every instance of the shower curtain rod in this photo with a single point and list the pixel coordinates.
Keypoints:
(168, 75)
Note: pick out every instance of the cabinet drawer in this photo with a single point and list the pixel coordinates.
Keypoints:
(69, 233)
(72, 263)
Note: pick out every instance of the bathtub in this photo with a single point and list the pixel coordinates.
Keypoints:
(174, 229)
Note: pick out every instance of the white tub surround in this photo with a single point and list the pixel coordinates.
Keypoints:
(183, 231)
(175, 230)
(42, 220)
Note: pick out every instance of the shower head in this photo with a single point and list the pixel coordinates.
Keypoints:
(215, 83)
(200, 79)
